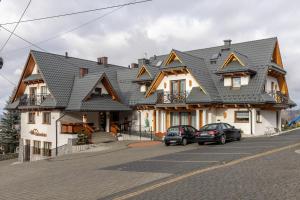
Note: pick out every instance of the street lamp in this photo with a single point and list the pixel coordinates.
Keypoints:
(1, 60)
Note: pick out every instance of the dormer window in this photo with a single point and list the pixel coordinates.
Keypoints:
(143, 88)
(98, 91)
(236, 82)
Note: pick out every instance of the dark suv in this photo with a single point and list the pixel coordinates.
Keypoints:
(182, 134)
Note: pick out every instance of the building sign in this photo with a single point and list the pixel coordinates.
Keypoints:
(37, 133)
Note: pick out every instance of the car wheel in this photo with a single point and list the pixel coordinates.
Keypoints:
(184, 141)
(167, 144)
(223, 139)
(201, 143)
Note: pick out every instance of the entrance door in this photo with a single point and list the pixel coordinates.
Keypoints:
(102, 121)
(177, 91)
(27, 150)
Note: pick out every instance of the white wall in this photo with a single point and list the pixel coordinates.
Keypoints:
(49, 129)
(269, 81)
(103, 89)
(187, 78)
(230, 119)
(268, 121)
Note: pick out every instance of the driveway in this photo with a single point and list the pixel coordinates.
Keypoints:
(111, 174)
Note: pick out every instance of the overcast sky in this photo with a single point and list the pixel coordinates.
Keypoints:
(153, 28)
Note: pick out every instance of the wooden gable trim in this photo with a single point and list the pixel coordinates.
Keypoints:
(142, 70)
(172, 56)
(276, 56)
(105, 82)
(27, 70)
(155, 84)
(230, 58)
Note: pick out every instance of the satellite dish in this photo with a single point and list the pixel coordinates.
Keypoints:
(1, 62)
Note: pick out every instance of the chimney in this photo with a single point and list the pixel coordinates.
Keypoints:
(227, 44)
(66, 54)
(134, 65)
(102, 60)
(83, 72)
(143, 61)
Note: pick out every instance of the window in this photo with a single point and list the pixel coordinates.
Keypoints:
(31, 118)
(47, 149)
(241, 116)
(236, 82)
(46, 118)
(44, 90)
(98, 91)
(258, 117)
(36, 147)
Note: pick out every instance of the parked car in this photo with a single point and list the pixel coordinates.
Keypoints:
(182, 134)
(217, 132)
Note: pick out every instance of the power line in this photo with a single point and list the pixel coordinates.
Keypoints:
(76, 13)
(77, 27)
(8, 80)
(32, 44)
(17, 23)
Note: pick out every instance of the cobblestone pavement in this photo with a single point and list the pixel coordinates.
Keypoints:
(113, 173)
(78, 176)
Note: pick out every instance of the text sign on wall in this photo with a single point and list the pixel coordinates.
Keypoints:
(37, 133)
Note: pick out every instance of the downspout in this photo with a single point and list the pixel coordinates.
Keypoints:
(251, 121)
(56, 134)
(140, 123)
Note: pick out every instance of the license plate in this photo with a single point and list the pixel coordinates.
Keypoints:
(204, 134)
(173, 141)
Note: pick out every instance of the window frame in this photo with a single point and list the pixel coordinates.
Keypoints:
(237, 120)
(36, 150)
(43, 118)
(232, 82)
(47, 151)
(258, 116)
(29, 121)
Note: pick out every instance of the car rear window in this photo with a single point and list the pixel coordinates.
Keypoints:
(173, 131)
(210, 127)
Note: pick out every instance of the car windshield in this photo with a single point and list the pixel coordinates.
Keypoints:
(173, 131)
(209, 127)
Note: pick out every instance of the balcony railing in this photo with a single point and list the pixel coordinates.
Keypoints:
(32, 100)
(279, 97)
(172, 97)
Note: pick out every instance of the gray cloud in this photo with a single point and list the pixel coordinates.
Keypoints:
(154, 27)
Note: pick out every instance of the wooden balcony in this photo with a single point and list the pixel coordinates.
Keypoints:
(279, 97)
(32, 100)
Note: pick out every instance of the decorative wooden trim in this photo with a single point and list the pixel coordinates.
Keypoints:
(142, 70)
(171, 58)
(168, 119)
(154, 121)
(230, 58)
(276, 56)
(200, 118)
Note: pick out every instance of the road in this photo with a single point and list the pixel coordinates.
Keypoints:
(255, 168)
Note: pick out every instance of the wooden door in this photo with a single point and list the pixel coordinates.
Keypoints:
(200, 118)
(27, 150)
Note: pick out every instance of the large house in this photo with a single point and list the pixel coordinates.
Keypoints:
(242, 84)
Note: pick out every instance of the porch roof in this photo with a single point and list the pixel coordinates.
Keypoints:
(101, 103)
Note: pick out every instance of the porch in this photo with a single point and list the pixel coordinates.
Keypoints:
(95, 123)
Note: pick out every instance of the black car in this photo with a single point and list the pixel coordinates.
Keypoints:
(217, 132)
(182, 134)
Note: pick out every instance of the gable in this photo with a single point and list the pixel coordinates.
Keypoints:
(103, 81)
(276, 56)
(232, 58)
(172, 58)
(143, 72)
